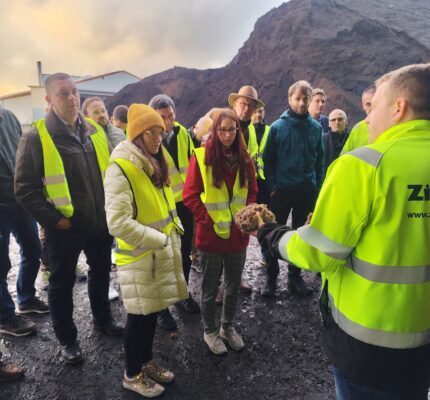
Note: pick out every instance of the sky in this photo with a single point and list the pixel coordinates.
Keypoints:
(143, 37)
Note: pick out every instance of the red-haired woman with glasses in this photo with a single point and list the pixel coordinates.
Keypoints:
(220, 181)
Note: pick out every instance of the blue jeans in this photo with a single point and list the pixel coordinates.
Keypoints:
(347, 389)
(24, 228)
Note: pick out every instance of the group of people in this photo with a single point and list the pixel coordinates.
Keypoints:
(153, 187)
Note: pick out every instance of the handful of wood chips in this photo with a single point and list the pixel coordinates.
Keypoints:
(247, 220)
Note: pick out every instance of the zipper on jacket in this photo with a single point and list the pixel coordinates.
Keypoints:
(170, 211)
(153, 265)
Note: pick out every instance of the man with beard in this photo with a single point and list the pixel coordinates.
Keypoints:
(244, 103)
(294, 170)
(95, 108)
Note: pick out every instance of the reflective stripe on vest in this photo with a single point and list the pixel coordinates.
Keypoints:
(252, 142)
(260, 163)
(216, 201)
(377, 337)
(155, 208)
(55, 187)
(185, 148)
(374, 255)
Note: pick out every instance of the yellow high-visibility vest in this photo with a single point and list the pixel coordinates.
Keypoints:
(55, 187)
(155, 208)
(185, 147)
(260, 163)
(369, 236)
(217, 201)
(358, 137)
(252, 142)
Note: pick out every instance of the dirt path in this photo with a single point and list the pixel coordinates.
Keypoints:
(283, 358)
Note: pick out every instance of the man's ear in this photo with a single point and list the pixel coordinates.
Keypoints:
(401, 109)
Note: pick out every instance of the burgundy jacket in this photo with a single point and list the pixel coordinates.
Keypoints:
(206, 239)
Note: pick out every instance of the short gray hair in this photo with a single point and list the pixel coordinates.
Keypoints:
(343, 113)
(161, 101)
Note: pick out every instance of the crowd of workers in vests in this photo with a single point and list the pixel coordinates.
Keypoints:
(156, 189)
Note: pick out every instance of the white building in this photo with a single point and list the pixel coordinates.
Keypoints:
(30, 105)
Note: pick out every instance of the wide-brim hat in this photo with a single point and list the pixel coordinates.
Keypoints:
(245, 91)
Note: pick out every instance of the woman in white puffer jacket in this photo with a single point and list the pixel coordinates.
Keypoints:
(141, 214)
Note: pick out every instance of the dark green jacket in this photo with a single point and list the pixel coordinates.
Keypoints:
(294, 153)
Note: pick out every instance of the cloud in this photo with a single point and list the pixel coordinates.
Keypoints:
(141, 36)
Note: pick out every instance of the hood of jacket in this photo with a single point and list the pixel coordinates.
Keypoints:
(129, 151)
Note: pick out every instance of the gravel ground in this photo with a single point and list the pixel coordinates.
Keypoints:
(283, 358)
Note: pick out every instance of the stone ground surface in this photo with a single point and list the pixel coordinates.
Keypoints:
(283, 358)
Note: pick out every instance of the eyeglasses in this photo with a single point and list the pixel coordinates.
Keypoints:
(154, 135)
(223, 131)
(244, 104)
(337, 119)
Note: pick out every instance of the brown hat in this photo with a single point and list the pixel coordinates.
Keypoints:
(141, 117)
(248, 92)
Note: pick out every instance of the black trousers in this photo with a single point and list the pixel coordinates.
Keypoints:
(138, 340)
(263, 196)
(300, 201)
(64, 248)
(187, 220)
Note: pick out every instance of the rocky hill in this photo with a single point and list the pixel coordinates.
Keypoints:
(341, 46)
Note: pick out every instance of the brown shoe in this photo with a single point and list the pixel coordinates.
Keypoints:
(10, 372)
(245, 287)
(219, 296)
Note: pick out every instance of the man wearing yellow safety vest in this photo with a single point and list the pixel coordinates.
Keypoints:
(369, 237)
(59, 180)
(178, 147)
(261, 134)
(244, 103)
(358, 136)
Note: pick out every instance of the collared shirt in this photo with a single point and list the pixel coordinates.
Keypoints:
(78, 133)
(169, 136)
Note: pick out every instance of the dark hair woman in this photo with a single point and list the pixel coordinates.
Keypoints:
(220, 182)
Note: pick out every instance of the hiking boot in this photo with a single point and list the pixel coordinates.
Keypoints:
(245, 287)
(111, 328)
(34, 305)
(219, 297)
(270, 289)
(190, 305)
(234, 340)
(143, 385)
(10, 372)
(157, 373)
(297, 285)
(71, 354)
(17, 326)
(215, 343)
(166, 321)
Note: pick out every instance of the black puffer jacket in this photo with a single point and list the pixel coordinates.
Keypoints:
(82, 174)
